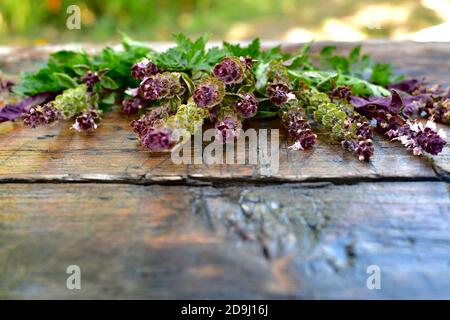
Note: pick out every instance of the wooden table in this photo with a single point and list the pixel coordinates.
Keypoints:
(139, 226)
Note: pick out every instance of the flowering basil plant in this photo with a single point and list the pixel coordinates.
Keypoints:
(348, 97)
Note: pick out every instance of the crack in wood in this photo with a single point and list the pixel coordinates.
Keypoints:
(147, 179)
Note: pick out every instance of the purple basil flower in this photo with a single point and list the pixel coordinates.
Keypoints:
(247, 105)
(247, 62)
(86, 122)
(158, 139)
(227, 128)
(144, 69)
(151, 88)
(414, 135)
(299, 130)
(419, 138)
(420, 99)
(90, 78)
(41, 115)
(343, 93)
(409, 85)
(161, 85)
(150, 119)
(440, 111)
(364, 130)
(426, 104)
(209, 93)
(132, 106)
(138, 126)
(414, 105)
(230, 70)
(278, 93)
(363, 148)
(12, 111)
(361, 141)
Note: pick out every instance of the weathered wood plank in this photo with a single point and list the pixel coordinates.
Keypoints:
(113, 154)
(286, 241)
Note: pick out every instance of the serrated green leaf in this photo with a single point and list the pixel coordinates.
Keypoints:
(382, 74)
(253, 50)
(188, 56)
(327, 51)
(353, 56)
(357, 66)
(301, 60)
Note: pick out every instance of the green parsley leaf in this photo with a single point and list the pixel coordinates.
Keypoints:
(187, 55)
(325, 81)
(355, 65)
(253, 50)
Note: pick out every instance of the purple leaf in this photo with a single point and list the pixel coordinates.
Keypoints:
(12, 111)
(392, 104)
(408, 85)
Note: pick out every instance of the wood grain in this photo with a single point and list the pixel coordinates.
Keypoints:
(113, 154)
(288, 241)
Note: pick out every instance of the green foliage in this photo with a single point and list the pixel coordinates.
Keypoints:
(119, 63)
(325, 81)
(357, 65)
(362, 87)
(265, 114)
(188, 55)
(253, 50)
(301, 60)
(273, 61)
(64, 69)
(383, 74)
(52, 76)
(277, 71)
(191, 58)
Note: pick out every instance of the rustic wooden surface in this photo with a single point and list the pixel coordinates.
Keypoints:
(141, 227)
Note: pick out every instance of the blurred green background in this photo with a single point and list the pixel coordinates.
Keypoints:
(44, 21)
